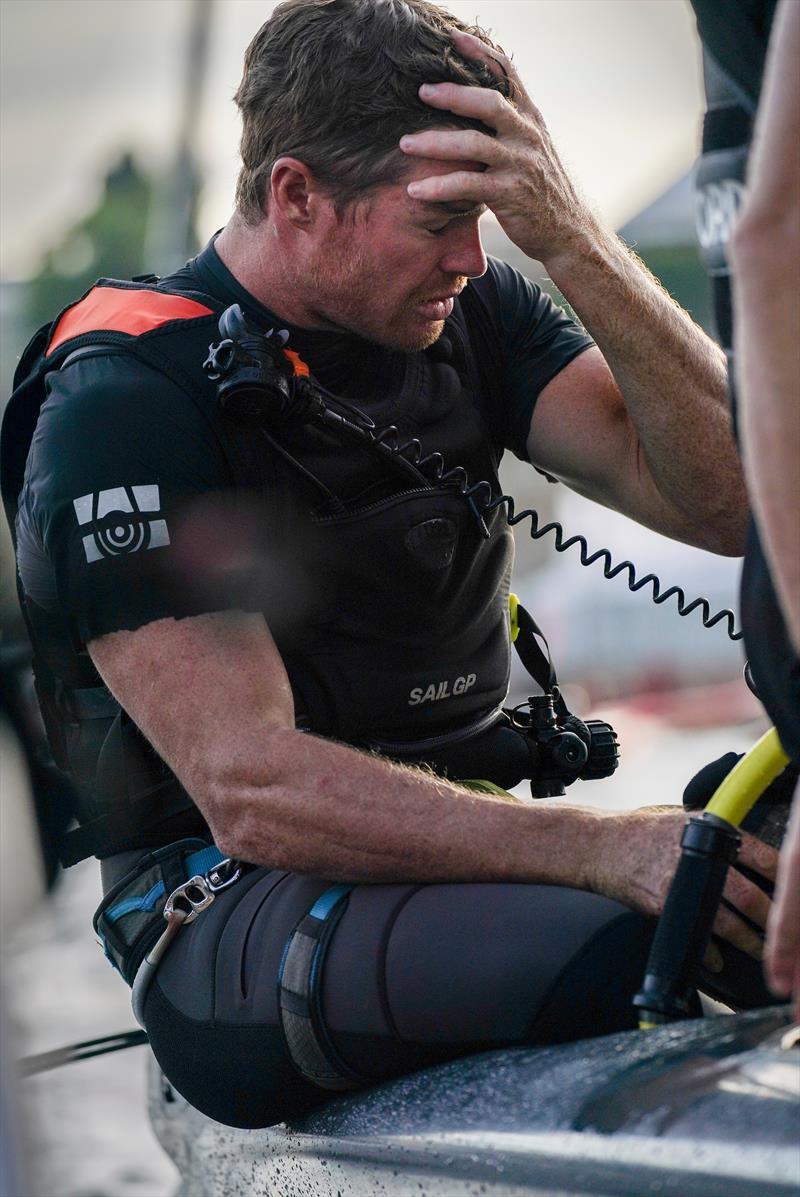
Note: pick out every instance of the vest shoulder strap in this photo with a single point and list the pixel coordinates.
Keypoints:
(131, 308)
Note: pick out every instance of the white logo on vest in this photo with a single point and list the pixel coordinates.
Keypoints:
(436, 691)
(118, 523)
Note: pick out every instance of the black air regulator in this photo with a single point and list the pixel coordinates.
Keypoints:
(565, 748)
(258, 380)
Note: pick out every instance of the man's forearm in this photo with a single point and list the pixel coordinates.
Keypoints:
(324, 809)
(315, 806)
(211, 694)
(672, 376)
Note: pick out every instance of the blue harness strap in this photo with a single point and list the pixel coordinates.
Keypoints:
(324, 905)
(146, 902)
(202, 861)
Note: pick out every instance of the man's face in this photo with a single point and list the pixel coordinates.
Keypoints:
(390, 268)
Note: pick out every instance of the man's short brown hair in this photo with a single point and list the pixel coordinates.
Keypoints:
(335, 84)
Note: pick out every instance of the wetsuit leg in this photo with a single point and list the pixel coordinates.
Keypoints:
(414, 975)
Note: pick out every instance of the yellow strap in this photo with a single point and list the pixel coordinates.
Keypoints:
(748, 779)
(480, 786)
(513, 604)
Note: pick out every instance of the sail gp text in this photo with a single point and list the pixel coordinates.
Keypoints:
(438, 690)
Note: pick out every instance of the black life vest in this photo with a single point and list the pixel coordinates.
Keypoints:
(411, 642)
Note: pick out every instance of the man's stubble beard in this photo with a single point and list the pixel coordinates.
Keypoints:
(342, 294)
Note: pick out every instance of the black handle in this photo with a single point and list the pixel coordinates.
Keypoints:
(708, 846)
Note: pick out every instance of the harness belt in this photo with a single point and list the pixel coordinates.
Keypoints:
(129, 918)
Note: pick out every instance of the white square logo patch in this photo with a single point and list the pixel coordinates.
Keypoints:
(121, 520)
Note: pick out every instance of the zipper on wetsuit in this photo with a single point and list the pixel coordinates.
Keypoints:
(377, 506)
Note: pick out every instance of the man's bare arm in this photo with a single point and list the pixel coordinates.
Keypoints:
(212, 696)
(766, 267)
(583, 434)
(766, 264)
(652, 438)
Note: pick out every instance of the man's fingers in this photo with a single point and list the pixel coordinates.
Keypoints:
(460, 185)
(728, 925)
(759, 856)
(480, 103)
(499, 64)
(466, 145)
(747, 899)
(743, 913)
(474, 47)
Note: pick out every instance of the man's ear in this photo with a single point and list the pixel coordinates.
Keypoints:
(295, 193)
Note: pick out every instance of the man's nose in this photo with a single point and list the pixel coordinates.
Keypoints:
(465, 254)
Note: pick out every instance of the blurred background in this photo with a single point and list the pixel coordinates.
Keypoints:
(119, 156)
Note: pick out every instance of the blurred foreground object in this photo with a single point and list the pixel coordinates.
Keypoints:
(22, 885)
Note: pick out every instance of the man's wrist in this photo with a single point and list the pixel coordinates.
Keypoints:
(592, 833)
(590, 248)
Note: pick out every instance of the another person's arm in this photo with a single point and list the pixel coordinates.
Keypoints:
(766, 265)
(641, 424)
(766, 268)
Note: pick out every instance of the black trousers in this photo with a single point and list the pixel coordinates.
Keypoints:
(414, 975)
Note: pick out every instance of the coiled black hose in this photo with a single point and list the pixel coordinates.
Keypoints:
(481, 501)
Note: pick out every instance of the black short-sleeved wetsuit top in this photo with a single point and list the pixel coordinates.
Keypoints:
(116, 435)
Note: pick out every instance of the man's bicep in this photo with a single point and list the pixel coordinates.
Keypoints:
(582, 434)
(205, 690)
(580, 431)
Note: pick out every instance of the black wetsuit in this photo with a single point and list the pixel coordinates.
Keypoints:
(413, 973)
(735, 39)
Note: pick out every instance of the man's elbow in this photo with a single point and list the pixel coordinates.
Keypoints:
(247, 830)
(728, 544)
(725, 532)
(248, 807)
(225, 810)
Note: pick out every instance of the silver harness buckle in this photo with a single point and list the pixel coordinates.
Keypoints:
(181, 907)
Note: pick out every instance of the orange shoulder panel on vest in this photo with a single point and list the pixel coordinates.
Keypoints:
(123, 309)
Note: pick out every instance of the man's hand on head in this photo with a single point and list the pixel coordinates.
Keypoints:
(522, 180)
